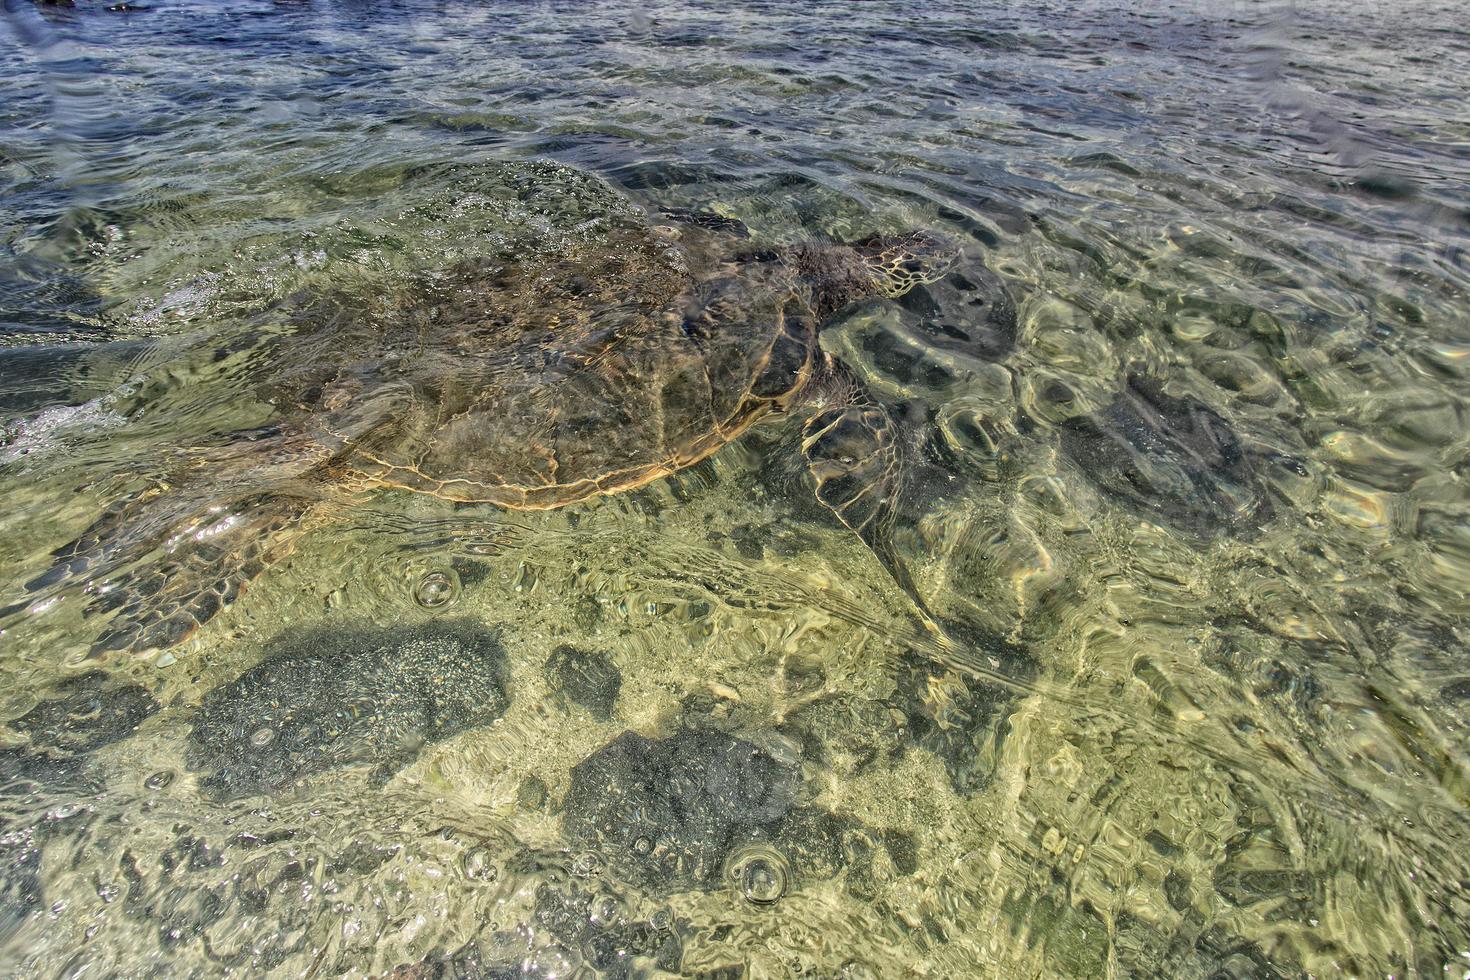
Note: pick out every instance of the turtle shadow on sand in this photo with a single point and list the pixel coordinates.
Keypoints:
(528, 384)
(1172, 458)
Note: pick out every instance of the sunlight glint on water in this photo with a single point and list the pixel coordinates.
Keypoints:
(1188, 426)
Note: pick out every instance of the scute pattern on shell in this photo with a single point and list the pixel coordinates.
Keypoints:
(538, 384)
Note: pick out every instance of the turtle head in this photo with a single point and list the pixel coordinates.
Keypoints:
(898, 263)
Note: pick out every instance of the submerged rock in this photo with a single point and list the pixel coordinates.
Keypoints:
(1175, 460)
(668, 814)
(960, 720)
(592, 921)
(572, 929)
(89, 711)
(328, 699)
(586, 678)
(82, 714)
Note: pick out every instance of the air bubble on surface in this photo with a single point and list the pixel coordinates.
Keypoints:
(159, 780)
(437, 589)
(758, 873)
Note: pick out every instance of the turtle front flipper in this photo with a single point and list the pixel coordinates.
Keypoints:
(854, 451)
(707, 219)
(164, 566)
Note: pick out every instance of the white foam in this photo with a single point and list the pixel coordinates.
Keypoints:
(52, 429)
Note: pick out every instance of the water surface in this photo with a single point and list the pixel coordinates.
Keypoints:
(1188, 486)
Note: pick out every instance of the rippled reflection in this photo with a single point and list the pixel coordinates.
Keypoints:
(1185, 436)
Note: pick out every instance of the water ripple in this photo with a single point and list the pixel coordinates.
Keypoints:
(1185, 491)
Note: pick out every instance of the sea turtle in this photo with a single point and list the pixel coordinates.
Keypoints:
(526, 385)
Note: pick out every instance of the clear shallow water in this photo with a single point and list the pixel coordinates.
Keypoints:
(1192, 411)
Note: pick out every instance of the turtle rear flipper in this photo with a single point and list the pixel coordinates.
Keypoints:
(854, 451)
(163, 568)
(94, 552)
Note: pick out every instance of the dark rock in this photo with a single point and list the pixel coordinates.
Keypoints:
(1230, 957)
(1194, 949)
(89, 713)
(902, 850)
(23, 771)
(667, 814)
(472, 962)
(1176, 890)
(39, 377)
(572, 929)
(24, 837)
(1174, 460)
(328, 699)
(471, 571)
(749, 542)
(360, 858)
(586, 678)
(847, 733)
(20, 875)
(531, 794)
(587, 613)
(730, 971)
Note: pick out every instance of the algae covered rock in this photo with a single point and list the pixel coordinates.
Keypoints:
(328, 699)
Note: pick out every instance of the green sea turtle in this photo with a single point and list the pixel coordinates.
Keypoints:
(526, 385)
